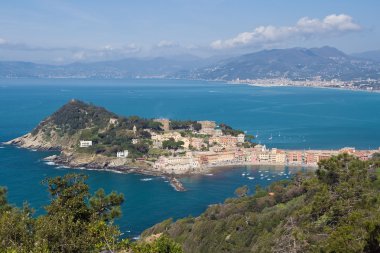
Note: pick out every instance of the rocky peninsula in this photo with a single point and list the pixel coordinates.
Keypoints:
(91, 137)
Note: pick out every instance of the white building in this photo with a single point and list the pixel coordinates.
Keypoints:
(85, 144)
(218, 132)
(135, 141)
(113, 121)
(241, 138)
(122, 154)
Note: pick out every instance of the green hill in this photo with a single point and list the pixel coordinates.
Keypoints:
(335, 210)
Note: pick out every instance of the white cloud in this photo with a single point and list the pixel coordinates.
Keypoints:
(304, 28)
(3, 41)
(166, 43)
(106, 52)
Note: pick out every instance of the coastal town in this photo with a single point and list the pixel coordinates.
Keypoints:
(89, 136)
(196, 151)
(316, 82)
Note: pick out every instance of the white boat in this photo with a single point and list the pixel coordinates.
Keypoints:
(251, 178)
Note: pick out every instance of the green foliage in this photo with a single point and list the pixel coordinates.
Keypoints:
(161, 245)
(227, 130)
(241, 191)
(106, 207)
(17, 230)
(185, 125)
(74, 221)
(140, 123)
(172, 144)
(376, 156)
(4, 206)
(77, 115)
(335, 210)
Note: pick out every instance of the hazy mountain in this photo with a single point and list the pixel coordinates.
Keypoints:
(369, 55)
(293, 63)
(125, 68)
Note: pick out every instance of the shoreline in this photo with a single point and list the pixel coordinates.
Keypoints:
(173, 179)
(56, 160)
(199, 79)
(301, 86)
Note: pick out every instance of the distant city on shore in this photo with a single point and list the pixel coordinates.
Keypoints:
(313, 67)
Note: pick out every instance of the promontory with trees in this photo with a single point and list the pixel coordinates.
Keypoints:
(92, 137)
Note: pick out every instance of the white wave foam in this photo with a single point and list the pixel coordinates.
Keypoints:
(63, 167)
(146, 179)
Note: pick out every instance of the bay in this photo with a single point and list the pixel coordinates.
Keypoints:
(296, 118)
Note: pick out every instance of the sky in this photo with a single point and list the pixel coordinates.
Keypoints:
(64, 31)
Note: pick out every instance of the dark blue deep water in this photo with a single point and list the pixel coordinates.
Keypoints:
(299, 118)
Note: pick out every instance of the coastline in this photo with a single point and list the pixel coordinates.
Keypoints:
(173, 179)
(200, 79)
(301, 86)
(56, 160)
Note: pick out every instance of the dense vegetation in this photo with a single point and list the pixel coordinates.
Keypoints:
(77, 115)
(185, 124)
(227, 130)
(120, 135)
(75, 221)
(110, 133)
(337, 209)
(172, 144)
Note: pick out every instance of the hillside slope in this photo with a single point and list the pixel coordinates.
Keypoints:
(63, 128)
(336, 210)
(293, 63)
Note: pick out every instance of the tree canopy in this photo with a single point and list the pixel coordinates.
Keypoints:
(335, 209)
(75, 221)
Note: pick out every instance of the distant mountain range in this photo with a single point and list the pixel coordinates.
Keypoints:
(126, 68)
(369, 55)
(293, 63)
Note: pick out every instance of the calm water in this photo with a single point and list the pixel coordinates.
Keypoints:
(294, 117)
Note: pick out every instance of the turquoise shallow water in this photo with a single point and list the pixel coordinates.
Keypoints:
(294, 117)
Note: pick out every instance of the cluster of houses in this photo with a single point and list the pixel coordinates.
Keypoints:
(209, 147)
(259, 155)
(215, 138)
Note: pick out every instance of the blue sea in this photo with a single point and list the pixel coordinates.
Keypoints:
(283, 117)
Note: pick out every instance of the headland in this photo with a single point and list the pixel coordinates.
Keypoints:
(91, 137)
